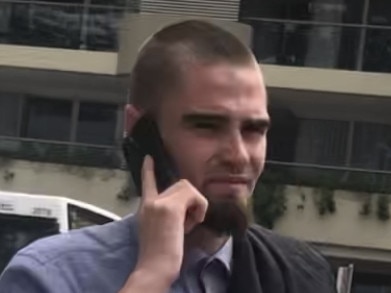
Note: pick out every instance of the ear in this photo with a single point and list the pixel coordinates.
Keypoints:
(131, 116)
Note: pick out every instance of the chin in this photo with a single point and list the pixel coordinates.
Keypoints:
(227, 214)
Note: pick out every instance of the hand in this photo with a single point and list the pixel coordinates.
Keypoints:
(164, 219)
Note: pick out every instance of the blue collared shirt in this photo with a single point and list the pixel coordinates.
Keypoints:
(202, 271)
(100, 259)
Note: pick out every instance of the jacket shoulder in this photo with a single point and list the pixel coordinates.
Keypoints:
(306, 267)
(290, 248)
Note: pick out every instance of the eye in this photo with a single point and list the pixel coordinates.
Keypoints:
(255, 129)
(206, 125)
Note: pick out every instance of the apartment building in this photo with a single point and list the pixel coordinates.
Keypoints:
(64, 69)
(63, 79)
(327, 65)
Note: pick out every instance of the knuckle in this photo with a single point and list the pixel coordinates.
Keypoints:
(164, 209)
(204, 201)
(189, 190)
(185, 184)
(149, 206)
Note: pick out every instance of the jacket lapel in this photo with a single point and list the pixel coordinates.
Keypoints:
(255, 268)
(244, 276)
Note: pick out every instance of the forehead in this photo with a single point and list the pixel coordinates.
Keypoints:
(222, 88)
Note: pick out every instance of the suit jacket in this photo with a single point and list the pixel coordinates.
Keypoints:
(264, 262)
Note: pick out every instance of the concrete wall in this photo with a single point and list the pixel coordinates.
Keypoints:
(137, 28)
(134, 29)
(328, 80)
(63, 85)
(58, 59)
(342, 233)
(96, 186)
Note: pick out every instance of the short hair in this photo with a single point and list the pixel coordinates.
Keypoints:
(158, 70)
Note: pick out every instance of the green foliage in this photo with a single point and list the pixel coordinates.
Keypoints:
(382, 206)
(127, 190)
(269, 203)
(383, 211)
(303, 198)
(325, 201)
(366, 208)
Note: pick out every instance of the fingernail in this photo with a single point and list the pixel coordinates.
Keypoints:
(148, 159)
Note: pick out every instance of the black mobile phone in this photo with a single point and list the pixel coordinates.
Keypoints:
(145, 139)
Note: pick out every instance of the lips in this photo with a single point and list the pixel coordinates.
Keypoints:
(229, 179)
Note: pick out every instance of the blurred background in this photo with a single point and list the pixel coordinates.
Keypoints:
(64, 70)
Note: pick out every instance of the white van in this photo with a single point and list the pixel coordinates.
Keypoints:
(27, 217)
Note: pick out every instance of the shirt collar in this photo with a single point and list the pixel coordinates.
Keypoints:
(224, 254)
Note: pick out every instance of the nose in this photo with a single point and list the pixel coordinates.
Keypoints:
(235, 154)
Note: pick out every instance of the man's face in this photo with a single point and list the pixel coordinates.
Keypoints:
(215, 130)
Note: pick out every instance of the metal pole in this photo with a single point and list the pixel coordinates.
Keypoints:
(345, 279)
(363, 36)
(84, 24)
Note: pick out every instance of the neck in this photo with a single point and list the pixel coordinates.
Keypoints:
(205, 239)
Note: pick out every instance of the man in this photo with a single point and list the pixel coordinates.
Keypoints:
(206, 93)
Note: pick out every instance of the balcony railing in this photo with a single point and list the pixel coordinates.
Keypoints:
(61, 25)
(281, 173)
(329, 177)
(60, 152)
(322, 44)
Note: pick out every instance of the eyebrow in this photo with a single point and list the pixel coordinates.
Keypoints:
(191, 118)
(262, 123)
(196, 117)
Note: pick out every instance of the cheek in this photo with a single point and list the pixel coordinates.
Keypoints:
(191, 157)
(258, 157)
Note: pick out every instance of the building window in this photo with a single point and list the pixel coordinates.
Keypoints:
(321, 33)
(282, 136)
(47, 119)
(379, 12)
(306, 45)
(369, 282)
(307, 141)
(120, 3)
(377, 55)
(9, 113)
(69, 124)
(70, 24)
(372, 146)
(102, 27)
(326, 142)
(51, 119)
(96, 123)
(340, 11)
(322, 142)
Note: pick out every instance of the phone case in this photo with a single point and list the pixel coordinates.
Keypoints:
(145, 139)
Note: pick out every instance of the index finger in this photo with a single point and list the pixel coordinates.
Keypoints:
(148, 180)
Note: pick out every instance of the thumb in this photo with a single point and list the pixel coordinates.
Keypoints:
(149, 189)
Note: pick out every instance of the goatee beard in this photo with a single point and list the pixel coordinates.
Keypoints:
(227, 217)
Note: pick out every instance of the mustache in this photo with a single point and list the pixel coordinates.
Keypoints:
(230, 177)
